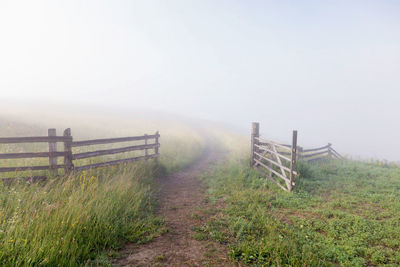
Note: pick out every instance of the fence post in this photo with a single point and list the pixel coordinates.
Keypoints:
(68, 166)
(52, 148)
(329, 151)
(255, 133)
(293, 160)
(299, 152)
(146, 152)
(157, 146)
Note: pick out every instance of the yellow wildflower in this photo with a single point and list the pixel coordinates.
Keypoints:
(92, 179)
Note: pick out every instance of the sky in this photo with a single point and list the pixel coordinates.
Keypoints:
(329, 69)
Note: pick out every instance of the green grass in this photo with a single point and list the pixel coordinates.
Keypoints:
(341, 213)
(74, 219)
(85, 218)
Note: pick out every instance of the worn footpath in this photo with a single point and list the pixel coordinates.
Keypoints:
(181, 203)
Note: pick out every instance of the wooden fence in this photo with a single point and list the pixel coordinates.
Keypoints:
(315, 154)
(52, 139)
(320, 153)
(277, 161)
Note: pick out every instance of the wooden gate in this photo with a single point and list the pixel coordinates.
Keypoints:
(275, 161)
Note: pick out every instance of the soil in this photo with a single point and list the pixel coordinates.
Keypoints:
(181, 202)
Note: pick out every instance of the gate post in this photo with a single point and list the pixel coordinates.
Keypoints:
(255, 134)
(293, 160)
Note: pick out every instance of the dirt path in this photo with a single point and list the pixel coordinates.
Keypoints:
(181, 197)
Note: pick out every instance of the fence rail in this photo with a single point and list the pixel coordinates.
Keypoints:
(32, 155)
(112, 151)
(69, 157)
(320, 153)
(114, 162)
(113, 140)
(31, 168)
(277, 162)
(34, 139)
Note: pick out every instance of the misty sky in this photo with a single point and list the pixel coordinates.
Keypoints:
(330, 69)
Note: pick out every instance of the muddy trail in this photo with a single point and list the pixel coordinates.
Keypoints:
(182, 204)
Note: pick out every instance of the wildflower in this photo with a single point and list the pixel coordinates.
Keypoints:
(12, 240)
(92, 180)
(82, 180)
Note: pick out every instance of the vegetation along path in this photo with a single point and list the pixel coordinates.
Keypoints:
(182, 204)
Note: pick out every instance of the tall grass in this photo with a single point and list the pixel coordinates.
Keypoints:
(73, 219)
(80, 219)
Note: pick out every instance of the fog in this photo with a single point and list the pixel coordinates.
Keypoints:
(330, 69)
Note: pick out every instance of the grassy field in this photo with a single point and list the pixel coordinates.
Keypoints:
(84, 218)
(341, 213)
